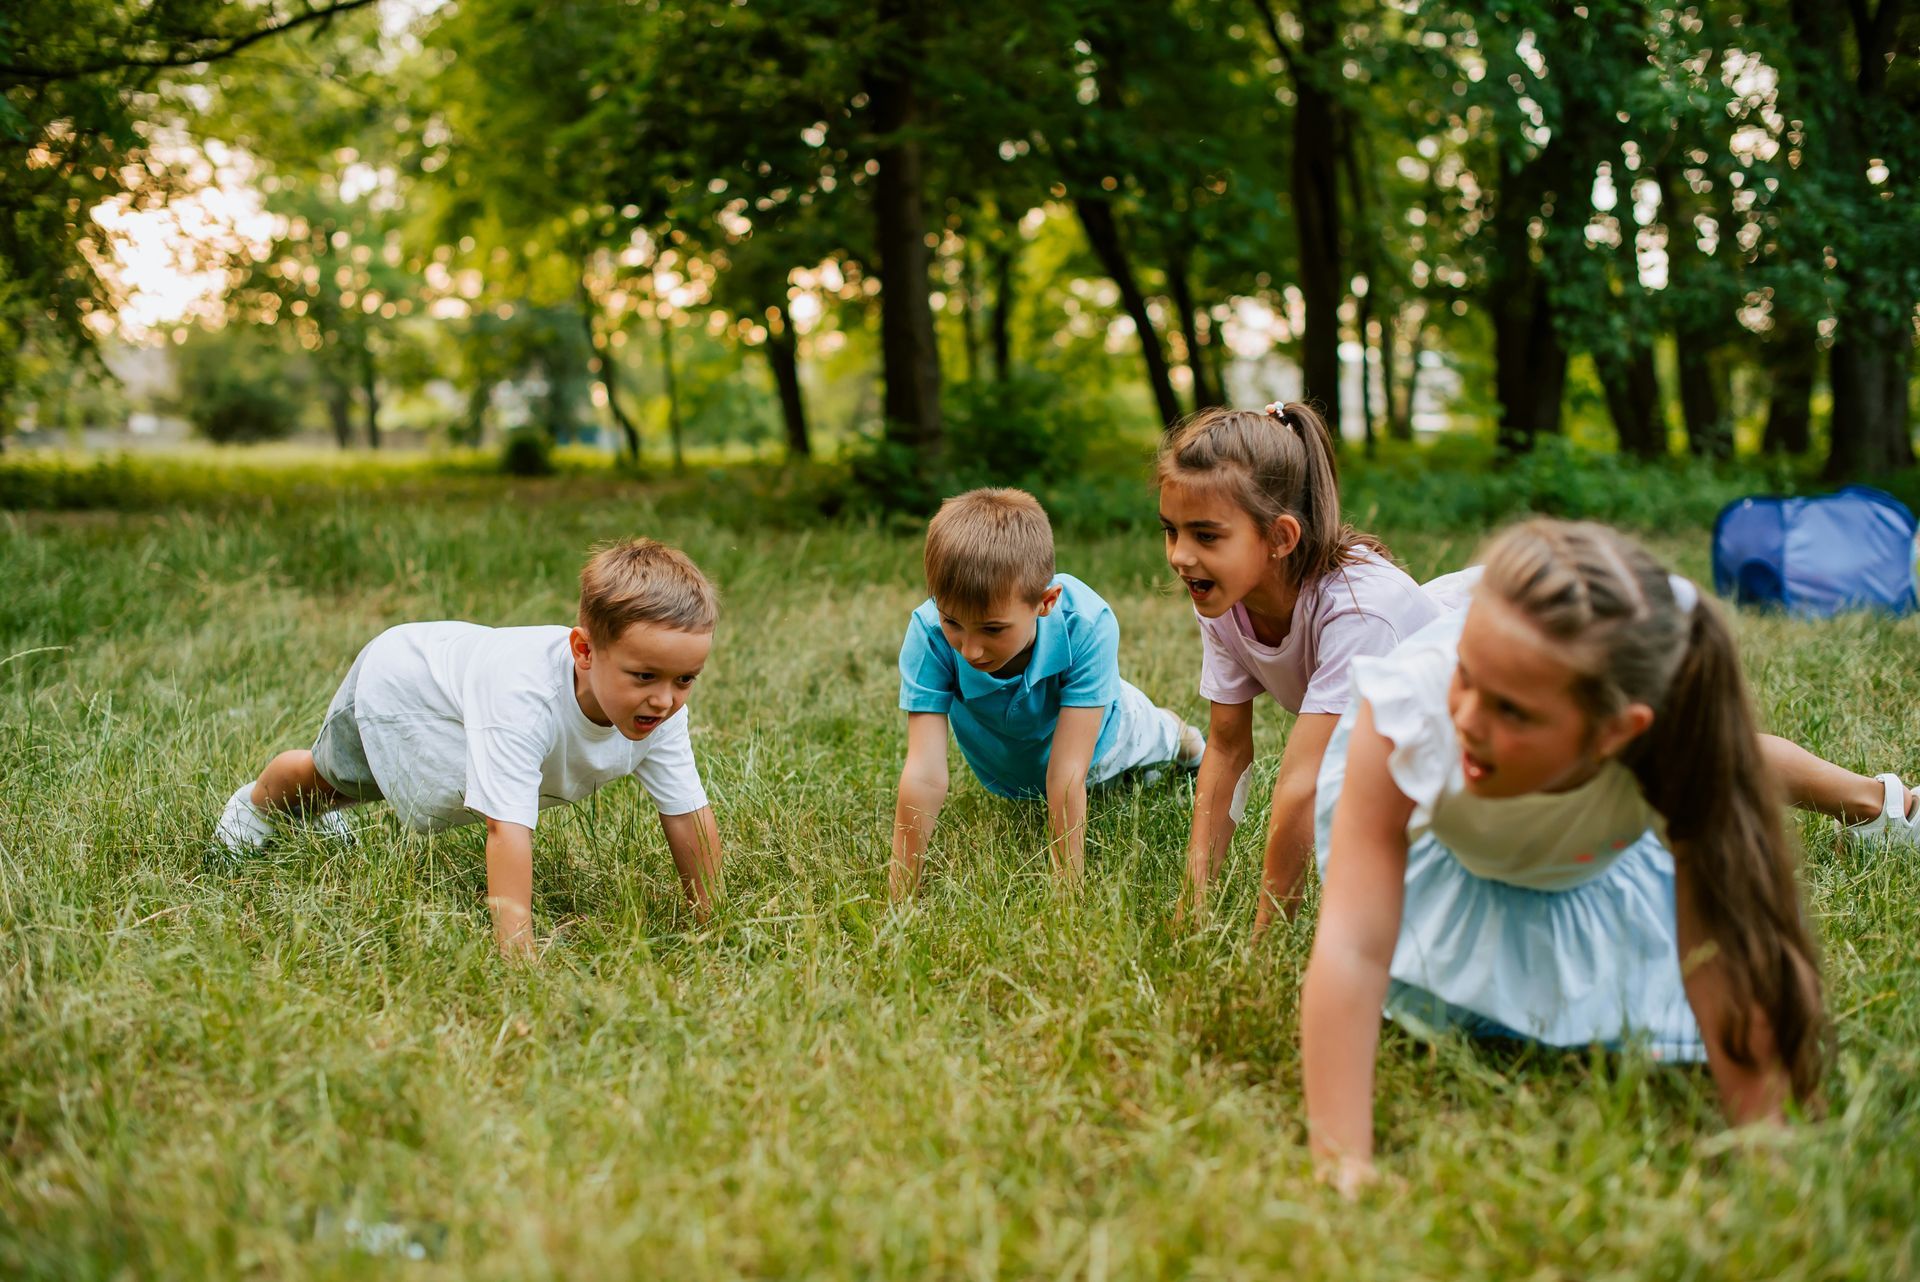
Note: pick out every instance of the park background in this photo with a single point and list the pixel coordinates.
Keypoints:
(318, 318)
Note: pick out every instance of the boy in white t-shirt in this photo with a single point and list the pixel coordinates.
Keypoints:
(455, 724)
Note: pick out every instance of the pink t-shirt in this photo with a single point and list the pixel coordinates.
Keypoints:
(1366, 608)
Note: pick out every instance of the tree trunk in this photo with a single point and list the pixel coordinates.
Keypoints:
(1869, 369)
(1869, 365)
(1000, 323)
(1316, 215)
(1530, 364)
(1632, 386)
(1179, 287)
(1364, 316)
(554, 406)
(340, 410)
(1315, 194)
(1795, 363)
(783, 356)
(369, 389)
(1400, 397)
(674, 432)
(970, 309)
(1103, 234)
(1703, 398)
(1530, 361)
(909, 351)
(609, 372)
(1697, 333)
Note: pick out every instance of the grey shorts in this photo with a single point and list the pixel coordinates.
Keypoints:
(338, 755)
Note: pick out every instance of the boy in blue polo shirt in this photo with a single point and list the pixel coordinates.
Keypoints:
(1025, 664)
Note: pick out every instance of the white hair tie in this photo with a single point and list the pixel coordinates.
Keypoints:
(1685, 594)
(1278, 410)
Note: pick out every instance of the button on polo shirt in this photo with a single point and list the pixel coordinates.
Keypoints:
(1005, 727)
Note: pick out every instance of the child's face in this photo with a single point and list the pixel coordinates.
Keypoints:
(1521, 729)
(641, 678)
(1215, 546)
(990, 639)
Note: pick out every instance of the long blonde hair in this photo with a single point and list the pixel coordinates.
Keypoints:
(1613, 610)
(1272, 463)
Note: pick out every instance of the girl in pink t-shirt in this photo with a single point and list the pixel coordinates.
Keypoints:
(1288, 595)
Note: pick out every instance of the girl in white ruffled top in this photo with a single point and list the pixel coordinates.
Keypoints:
(1536, 808)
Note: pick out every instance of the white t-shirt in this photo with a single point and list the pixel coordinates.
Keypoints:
(463, 723)
(1544, 840)
(1365, 608)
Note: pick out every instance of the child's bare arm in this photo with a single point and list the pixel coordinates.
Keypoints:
(1290, 821)
(1229, 756)
(694, 839)
(1346, 982)
(923, 790)
(510, 886)
(1754, 1092)
(1074, 739)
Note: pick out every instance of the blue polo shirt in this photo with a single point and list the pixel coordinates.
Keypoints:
(1005, 727)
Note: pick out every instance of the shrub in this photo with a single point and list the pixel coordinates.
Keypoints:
(236, 387)
(527, 452)
(1021, 430)
(237, 412)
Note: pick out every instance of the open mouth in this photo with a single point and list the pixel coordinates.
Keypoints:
(1197, 588)
(645, 725)
(1478, 769)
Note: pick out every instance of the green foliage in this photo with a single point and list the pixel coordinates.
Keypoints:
(84, 89)
(595, 173)
(58, 386)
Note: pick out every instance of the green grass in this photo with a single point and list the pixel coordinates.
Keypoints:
(208, 1075)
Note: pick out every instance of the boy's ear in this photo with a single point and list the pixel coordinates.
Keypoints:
(1049, 599)
(580, 646)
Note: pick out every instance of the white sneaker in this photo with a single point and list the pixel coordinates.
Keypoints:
(337, 828)
(1898, 822)
(244, 828)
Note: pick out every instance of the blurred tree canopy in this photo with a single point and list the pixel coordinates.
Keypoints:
(709, 215)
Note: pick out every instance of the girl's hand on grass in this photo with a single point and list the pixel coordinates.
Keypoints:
(1263, 916)
(1189, 913)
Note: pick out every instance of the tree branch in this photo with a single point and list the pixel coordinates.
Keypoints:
(225, 47)
(1272, 24)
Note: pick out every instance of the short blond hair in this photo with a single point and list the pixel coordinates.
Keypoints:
(644, 581)
(983, 544)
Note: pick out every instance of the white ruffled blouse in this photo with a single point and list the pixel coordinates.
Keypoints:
(1543, 841)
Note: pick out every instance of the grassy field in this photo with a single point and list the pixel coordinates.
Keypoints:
(318, 1067)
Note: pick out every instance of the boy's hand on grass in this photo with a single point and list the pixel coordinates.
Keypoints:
(1349, 1175)
(513, 929)
(903, 880)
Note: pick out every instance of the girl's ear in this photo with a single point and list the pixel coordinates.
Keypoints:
(1284, 536)
(1613, 735)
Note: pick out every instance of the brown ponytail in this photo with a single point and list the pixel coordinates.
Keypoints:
(1612, 608)
(1275, 463)
(1701, 767)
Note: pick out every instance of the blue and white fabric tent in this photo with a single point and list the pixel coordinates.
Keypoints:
(1854, 550)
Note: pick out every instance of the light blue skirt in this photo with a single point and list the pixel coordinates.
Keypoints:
(1597, 964)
